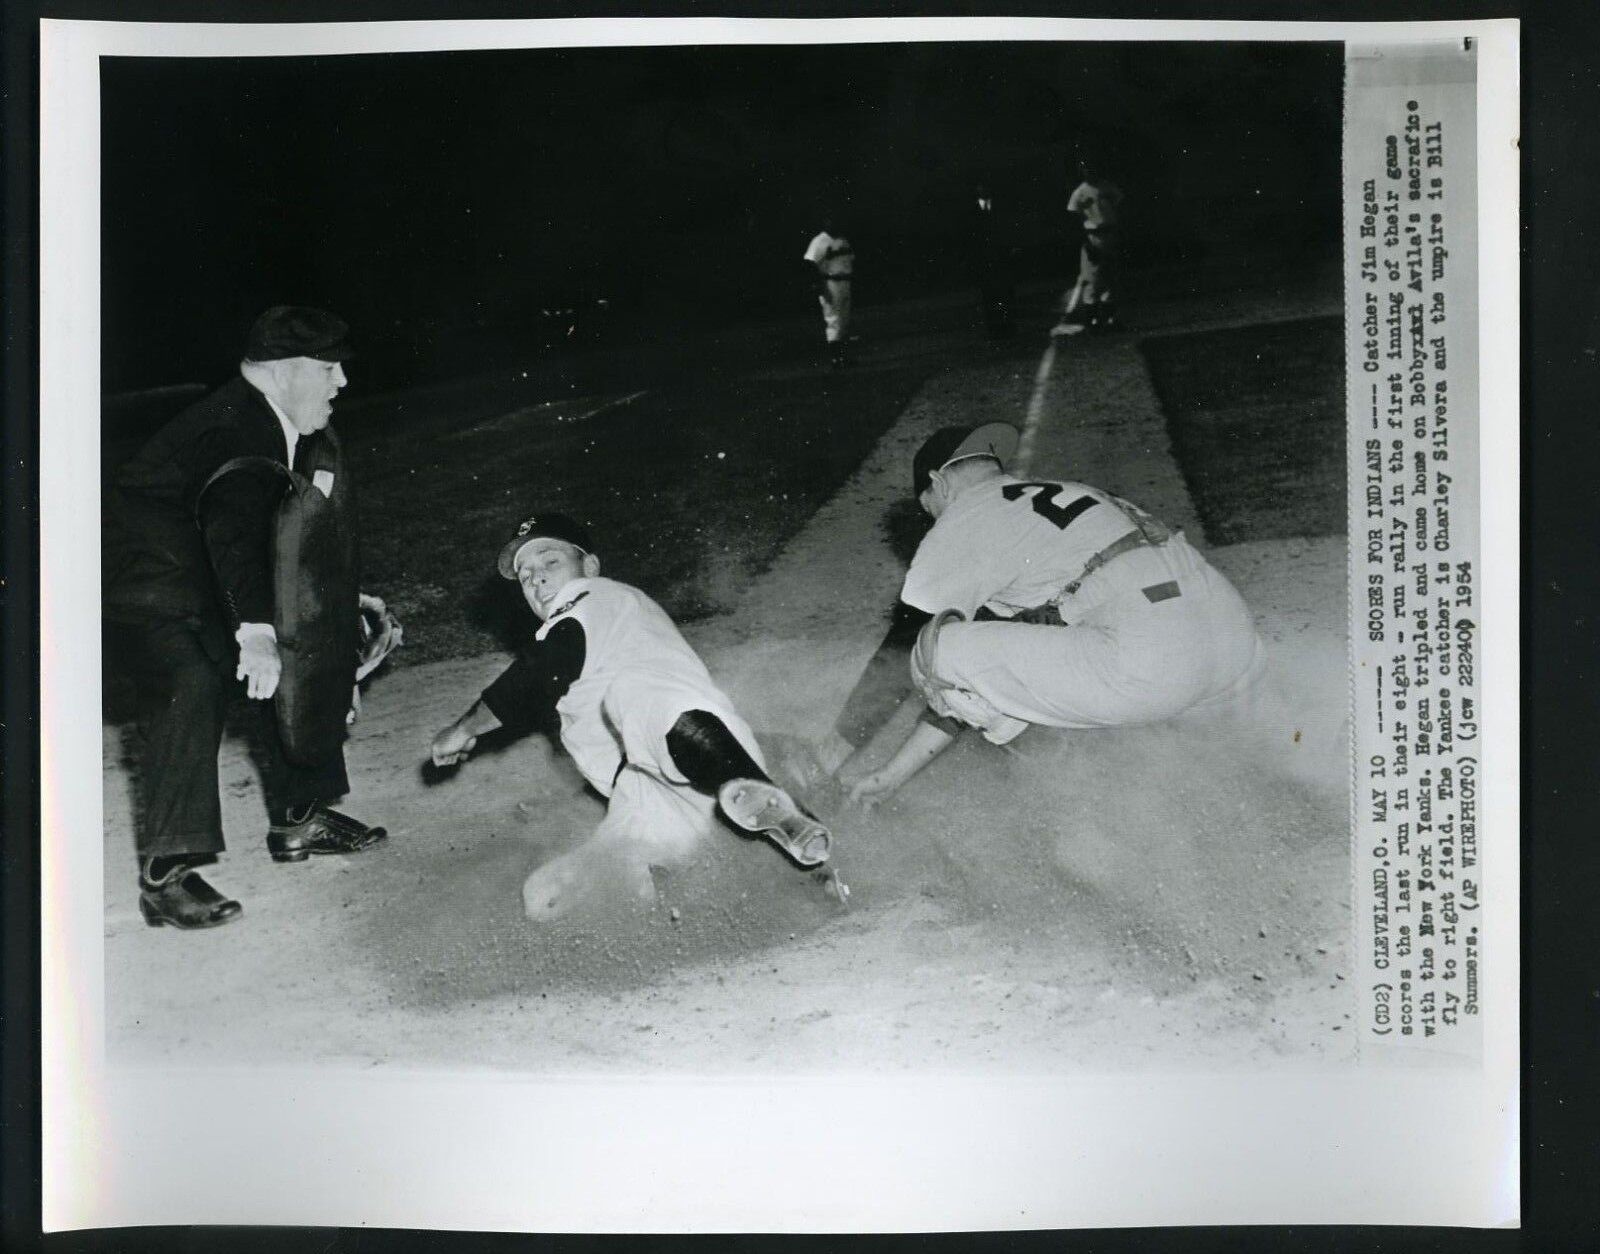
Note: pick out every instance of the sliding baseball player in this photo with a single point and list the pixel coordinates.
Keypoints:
(641, 717)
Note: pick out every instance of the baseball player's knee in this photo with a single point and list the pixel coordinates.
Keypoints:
(946, 694)
(925, 672)
(968, 706)
(1242, 656)
(708, 753)
(950, 650)
(191, 692)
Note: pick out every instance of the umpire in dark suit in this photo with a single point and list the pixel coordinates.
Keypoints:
(189, 585)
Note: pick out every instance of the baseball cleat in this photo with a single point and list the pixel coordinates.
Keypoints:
(758, 806)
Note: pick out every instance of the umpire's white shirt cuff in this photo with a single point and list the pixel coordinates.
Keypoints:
(248, 631)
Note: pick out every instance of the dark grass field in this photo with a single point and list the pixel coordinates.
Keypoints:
(692, 458)
(688, 490)
(1257, 420)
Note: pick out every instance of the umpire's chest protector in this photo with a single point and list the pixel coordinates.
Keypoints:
(315, 596)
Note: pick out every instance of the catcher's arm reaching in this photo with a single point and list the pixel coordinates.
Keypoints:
(918, 738)
(922, 728)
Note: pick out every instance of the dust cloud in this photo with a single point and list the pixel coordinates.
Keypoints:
(1204, 848)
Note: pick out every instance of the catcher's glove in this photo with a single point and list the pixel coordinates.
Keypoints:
(381, 634)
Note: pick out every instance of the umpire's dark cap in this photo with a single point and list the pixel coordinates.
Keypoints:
(542, 527)
(953, 444)
(298, 331)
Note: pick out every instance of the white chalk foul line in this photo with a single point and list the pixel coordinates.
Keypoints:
(600, 409)
(509, 419)
(1030, 422)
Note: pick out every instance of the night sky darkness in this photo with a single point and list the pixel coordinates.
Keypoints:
(438, 201)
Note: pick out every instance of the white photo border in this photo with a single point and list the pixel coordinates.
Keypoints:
(489, 1152)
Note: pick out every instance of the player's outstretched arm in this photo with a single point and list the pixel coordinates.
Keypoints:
(881, 744)
(455, 743)
(926, 742)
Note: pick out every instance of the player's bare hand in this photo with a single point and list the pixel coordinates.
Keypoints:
(870, 790)
(452, 746)
(259, 665)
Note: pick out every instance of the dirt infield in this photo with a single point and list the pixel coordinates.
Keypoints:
(1167, 895)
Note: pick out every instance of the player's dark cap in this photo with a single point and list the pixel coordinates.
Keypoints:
(542, 527)
(953, 444)
(298, 331)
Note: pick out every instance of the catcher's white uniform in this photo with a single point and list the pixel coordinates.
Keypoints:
(1143, 628)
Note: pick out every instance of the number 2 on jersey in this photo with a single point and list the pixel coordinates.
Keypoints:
(1044, 502)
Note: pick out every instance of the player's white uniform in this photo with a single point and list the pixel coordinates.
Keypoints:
(639, 674)
(836, 261)
(1098, 204)
(1151, 632)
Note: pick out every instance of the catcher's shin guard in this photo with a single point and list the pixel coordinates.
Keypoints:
(764, 808)
(926, 649)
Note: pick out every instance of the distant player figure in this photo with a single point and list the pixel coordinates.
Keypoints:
(833, 262)
(1047, 602)
(989, 255)
(1090, 302)
(641, 717)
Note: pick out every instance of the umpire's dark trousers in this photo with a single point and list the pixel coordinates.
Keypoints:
(184, 674)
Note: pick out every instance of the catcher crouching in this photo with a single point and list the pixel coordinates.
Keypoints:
(1047, 602)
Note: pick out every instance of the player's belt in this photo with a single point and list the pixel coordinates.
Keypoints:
(838, 278)
(1133, 540)
(1147, 533)
(1150, 534)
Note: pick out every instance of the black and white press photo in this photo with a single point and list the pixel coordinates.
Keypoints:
(791, 570)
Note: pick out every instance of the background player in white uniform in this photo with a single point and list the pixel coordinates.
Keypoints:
(641, 717)
(1052, 603)
(835, 262)
(1089, 302)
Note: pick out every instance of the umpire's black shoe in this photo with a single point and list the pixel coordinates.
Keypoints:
(321, 831)
(181, 898)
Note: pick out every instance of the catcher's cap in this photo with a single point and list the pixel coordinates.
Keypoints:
(298, 331)
(953, 444)
(541, 527)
